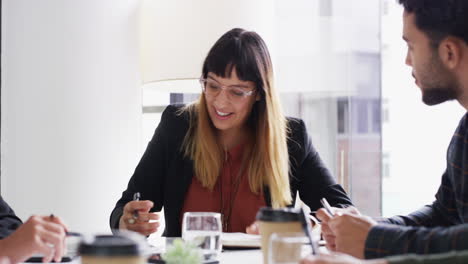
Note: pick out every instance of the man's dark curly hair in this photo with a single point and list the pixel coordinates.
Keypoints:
(439, 18)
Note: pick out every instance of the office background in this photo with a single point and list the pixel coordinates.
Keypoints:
(75, 119)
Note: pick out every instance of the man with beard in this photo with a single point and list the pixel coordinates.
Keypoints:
(436, 32)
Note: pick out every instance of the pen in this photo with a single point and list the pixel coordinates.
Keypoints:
(74, 234)
(67, 233)
(136, 197)
(326, 205)
(306, 227)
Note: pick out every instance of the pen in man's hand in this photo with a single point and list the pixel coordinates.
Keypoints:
(327, 206)
(67, 233)
(75, 234)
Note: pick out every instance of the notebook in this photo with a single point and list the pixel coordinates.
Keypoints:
(240, 240)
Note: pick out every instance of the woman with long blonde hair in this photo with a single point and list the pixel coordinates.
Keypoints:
(233, 151)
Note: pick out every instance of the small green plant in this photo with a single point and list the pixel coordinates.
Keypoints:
(182, 253)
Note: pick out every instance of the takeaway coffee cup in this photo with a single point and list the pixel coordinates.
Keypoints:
(287, 247)
(122, 248)
(276, 221)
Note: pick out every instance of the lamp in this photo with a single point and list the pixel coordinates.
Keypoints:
(176, 35)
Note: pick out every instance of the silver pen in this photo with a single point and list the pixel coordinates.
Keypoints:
(136, 197)
(326, 205)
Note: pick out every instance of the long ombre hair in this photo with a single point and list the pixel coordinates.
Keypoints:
(266, 153)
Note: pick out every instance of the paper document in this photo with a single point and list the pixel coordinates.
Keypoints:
(240, 240)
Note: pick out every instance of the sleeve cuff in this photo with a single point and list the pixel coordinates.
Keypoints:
(381, 239)
(453, 257)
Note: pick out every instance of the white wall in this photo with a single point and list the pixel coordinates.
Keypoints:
(71, 107)
(415, 136)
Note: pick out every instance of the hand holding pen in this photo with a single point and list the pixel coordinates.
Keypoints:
(327, 213)
(324, 215)
(138, 218)
(337, 211)
(327, 206)
(43, 235)
(136, 197)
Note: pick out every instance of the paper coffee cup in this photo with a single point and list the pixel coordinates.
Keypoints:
(115, 249)
(276, 221)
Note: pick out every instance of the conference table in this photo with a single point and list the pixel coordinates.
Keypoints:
(251, 256)
(228, 256)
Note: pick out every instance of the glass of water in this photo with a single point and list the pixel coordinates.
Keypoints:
(203, 229)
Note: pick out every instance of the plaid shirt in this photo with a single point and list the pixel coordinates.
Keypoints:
(453, 257)
(436, 228)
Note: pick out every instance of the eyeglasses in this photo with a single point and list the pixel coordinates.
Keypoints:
(235, 93)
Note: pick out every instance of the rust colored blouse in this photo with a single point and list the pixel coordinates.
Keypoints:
(231, 195)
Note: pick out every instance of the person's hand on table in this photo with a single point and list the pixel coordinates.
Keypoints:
(43, 235)
(338, 259)
(346, 230)
(253, 229)
(139, 223)
(328, 234)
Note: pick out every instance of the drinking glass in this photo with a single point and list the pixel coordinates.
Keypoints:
(288, 247)
(203, 229)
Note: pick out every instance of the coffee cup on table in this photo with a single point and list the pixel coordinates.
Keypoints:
(287, 247)
(122, 248)
(276, 221)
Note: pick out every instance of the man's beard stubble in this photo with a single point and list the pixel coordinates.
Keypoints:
(436, 96)
(441, 85)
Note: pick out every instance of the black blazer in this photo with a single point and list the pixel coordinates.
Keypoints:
(9, 222)
(164, 174)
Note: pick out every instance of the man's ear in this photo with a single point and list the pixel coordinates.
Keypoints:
(450, 52)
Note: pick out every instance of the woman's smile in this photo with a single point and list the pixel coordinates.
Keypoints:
(223, 115)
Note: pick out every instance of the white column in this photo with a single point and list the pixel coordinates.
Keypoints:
(71, 107)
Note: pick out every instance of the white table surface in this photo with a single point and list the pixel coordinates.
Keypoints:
(253, 256)
(241, 256)
(227, 257)
(248, 256)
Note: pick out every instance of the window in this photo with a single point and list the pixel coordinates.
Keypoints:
(415, 137)
(327, 63)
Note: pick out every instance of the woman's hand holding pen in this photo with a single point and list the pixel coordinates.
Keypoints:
(136, 217)
(43, 235)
